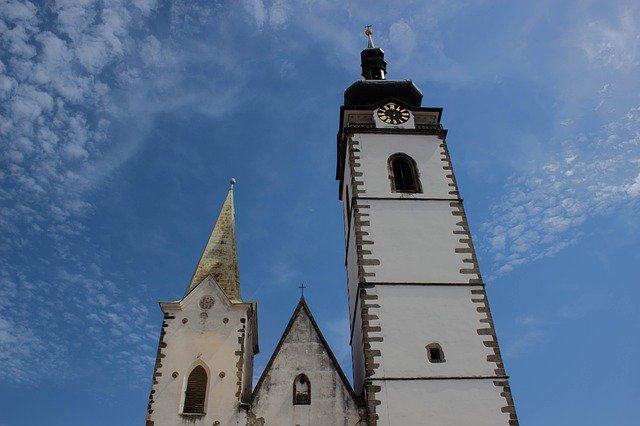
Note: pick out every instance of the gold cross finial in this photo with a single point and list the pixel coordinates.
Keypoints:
(368, 31)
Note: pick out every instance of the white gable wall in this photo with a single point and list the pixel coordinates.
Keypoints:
(302, 351)
(193, 338)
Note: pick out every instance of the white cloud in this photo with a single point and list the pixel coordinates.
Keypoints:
(256, 9)
(542, 211)
(67, 84)
(403, 39)
(614, 46)
(634, 188)
(533, 334)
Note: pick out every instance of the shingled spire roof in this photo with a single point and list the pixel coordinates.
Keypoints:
(219, 258)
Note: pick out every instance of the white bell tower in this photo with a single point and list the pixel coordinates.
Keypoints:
(424, 348)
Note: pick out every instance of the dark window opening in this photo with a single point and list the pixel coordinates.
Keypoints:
(194, 396)
(435, 353)
(301, 390)
(404, 174)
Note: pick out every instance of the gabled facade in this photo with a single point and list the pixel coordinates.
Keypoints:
(204, 329)
(303, 383)
(204, 364)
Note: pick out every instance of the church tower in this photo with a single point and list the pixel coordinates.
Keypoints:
(204, 364)
(424, 348)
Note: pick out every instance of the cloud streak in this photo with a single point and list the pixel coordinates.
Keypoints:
(80, 85)
(543, 211)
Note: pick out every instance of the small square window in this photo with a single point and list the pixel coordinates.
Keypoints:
(434, 354)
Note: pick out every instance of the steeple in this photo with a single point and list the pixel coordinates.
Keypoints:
(372, 59)
(219, 258)
(375, 88)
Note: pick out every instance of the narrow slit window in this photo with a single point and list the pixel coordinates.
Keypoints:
(196, 391)
(435, 353)
(301, 390)
(403, 174)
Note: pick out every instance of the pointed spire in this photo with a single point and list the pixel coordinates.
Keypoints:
(219, 257)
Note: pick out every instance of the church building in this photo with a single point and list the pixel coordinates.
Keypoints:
(409, 254)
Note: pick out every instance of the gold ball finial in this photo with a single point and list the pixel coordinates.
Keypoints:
(368, 31)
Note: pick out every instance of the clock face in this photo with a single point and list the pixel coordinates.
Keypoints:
(393, 114)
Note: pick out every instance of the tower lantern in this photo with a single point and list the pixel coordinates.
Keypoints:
(372, 59)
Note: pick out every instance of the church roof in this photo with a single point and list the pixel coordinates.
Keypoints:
(302, 311)
(219, 258)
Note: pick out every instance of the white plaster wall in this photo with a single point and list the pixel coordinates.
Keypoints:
(355, 324)
(414, 242)
(357, 354)
(352, 271)
(375, 150)
(441, 403)
(303, 352)
(208, 340)
(413, 316)
(346, 198)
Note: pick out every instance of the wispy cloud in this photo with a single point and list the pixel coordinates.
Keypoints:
(590, 164)
(616, 45)
(533, 333)
(80, 86)
(543, 211)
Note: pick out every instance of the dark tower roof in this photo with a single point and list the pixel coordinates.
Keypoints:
(375, 88)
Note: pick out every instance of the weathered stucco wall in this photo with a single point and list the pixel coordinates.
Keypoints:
(213, 338)
(302, 351)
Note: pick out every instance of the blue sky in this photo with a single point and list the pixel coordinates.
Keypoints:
(122, 121)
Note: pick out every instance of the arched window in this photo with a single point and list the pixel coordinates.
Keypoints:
(301, 390)
(194, 395)
(403, 173)
(434, 353)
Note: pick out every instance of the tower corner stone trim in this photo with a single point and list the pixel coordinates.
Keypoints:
(371, 333)
(158, 365)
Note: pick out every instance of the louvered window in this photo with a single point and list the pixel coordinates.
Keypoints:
(301, 390)
(194, 396)
(403, 173)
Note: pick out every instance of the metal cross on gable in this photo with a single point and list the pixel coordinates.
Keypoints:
(302, 287)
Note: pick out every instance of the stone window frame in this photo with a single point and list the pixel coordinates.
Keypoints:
(435, 346)
(186, 389)
(415, 174)
(296, 399)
